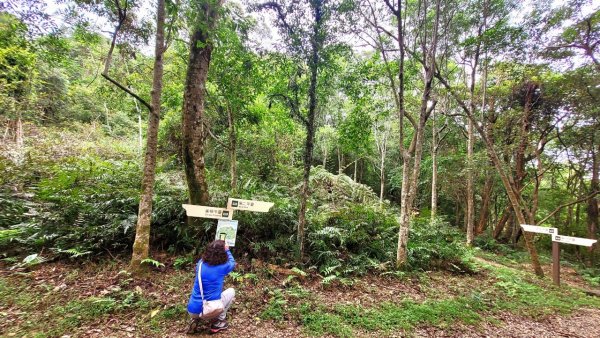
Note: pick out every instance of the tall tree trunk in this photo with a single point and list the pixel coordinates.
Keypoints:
(470, 192)
(501, 223)
(141, 244)
(409, 189)
(433, 167)
(194, 97)
(340, 160)
(382, 177)
(592, 207)
(232, 150)
(470, 143)
(316, 45)
(484, 213)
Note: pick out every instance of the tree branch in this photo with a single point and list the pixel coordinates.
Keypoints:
(122, 13)
(293, 108)
(214, 137)
(125, 89)
(566, 205)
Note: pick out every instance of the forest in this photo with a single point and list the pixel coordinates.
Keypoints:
(403, 143)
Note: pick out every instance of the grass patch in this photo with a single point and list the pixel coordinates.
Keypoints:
(318, 322)
(276, 308)
(343, 320)
(42, 312)
(523, 293)
(508, 290)
(171, 314)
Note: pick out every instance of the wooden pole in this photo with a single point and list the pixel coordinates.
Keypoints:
(556, 263)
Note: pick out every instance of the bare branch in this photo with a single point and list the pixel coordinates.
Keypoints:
(566, 205)
(293, 108)
(214, 137)
(122, 12)
(125, 89)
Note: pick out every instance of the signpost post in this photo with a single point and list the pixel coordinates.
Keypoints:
(556, 240)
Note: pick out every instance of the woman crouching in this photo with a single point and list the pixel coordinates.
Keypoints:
(208, 301)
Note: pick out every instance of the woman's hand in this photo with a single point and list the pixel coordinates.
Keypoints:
(226, 247)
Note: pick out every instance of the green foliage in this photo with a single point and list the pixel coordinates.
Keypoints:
(522, 293)
(591, 275)
(152, 262)
(74, 253)
(351, 240)
(275, 309)
(183, 262)
(343, 320)
(434, 244)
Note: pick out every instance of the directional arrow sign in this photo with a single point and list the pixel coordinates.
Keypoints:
(539, 229)
(248, 205)
(207, 212)
(574, 240)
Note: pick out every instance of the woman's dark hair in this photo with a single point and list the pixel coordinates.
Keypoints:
(215, 254)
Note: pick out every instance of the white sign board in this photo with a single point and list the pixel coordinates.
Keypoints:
(227, 231)
(539, 229)
(573, 240)
(248, 205)
(207, 212)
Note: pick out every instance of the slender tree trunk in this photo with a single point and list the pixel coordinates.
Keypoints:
(106, 117)
(316, 45)
(141, 244)
(433, 167)
(510, 228)
(355, 170)
(470, 193)
(501, 223)
(194, 97)
(485, 204)
(340, 160)
(19, 135)
(592, 207)
(382, 177)
(140, 136)
(409, 189)
(470, 143)
(232, 150)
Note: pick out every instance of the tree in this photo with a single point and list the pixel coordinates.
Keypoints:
(203, 17)
(424, 30)
(305, 27)
(141, 245)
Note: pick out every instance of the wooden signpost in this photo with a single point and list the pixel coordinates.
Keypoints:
(538, 229)
(207, 212)
(227, 228)
(556, 240)
(248, 205)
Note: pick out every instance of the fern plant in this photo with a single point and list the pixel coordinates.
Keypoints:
(152, 262)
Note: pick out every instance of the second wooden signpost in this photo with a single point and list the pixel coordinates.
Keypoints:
(556, 240)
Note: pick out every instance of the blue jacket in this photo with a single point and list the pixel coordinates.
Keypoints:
(213, 277)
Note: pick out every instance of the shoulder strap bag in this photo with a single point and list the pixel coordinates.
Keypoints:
(210, 308)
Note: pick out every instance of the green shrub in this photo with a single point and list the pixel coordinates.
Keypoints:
(352, 239)
(434, 244)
